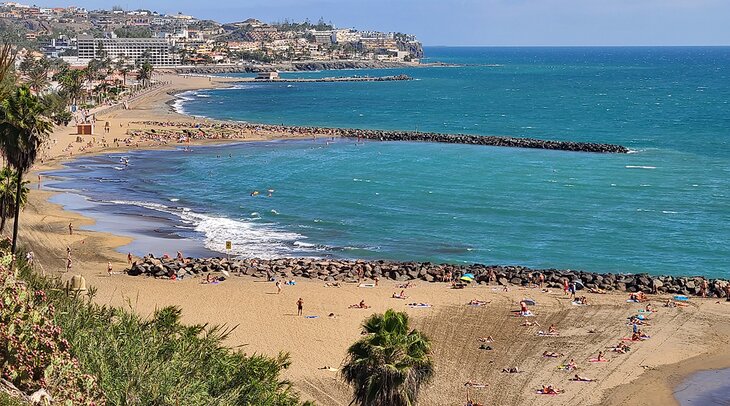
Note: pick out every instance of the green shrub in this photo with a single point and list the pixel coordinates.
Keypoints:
(33, 354)
(159, 360)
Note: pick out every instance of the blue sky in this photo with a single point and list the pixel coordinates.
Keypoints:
(483, 22)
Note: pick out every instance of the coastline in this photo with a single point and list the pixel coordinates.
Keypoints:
(44, 227)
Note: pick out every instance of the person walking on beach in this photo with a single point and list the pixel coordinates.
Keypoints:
(68, 263)
(70, 228)
(300, 306)
(109, 268)
(278, 287)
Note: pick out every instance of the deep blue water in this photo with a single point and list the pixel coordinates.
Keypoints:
(663, 209)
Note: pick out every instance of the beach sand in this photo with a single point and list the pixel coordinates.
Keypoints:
(683, 340)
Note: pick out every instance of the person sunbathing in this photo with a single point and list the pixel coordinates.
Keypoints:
(487, 339)
(401, 295)
(511, 370)
(597, 290)
(549, 390)
(485, 347)
(551, 354)
(571, 366)
(332, 284)
(360, 305)
(579, 378)
(530, 323)
(476, 302)
(552, 329)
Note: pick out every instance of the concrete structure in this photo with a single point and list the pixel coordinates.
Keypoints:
(267, 76)
(158, 51)
(322, 37)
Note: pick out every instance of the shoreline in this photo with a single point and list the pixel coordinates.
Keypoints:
(43, 225)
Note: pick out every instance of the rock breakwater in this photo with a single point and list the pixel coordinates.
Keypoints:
(490, 140)
(331, 270)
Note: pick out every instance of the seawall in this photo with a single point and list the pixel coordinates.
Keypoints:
(337, 270)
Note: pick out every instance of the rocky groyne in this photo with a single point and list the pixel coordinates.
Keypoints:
(490, 140)
(331, 270)
(334, 79)
(294, 66)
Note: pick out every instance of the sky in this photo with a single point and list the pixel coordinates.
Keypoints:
(481, 22)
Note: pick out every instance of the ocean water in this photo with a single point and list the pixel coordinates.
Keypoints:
(663, 209)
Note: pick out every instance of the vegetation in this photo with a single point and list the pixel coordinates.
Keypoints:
(390, 364)
(124, 359)
(23, 128)
(306, 25)
(33, 355)
(8, 188)
(133, 32)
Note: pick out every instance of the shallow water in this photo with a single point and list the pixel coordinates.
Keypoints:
(706, 388)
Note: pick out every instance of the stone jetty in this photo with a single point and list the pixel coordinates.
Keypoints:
(331, 270)
(331, 79)
(490, 140)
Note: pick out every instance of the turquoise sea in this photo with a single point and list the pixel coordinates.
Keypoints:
(665, 208)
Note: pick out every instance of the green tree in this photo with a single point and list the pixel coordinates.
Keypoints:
(72, 83)
(38, 75)
(7, 78)
(8, 188)
(23, 128)
(144, 73)
(389, 365)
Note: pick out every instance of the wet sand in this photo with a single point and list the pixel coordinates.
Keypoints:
(683, 340)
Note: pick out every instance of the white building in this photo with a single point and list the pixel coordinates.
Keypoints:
(158, 51)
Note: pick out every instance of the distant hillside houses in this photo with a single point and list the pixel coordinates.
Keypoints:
(181, 39)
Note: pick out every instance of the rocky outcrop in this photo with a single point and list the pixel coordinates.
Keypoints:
(331, 270)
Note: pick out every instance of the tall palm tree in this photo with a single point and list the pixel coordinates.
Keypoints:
(38, 76)
(23, 128)
(7, 59)
(389, 365)
(144, 73)
(72, 82)
(8, 188)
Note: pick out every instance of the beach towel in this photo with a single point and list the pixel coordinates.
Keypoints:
(366, 285)
(540, 392)
(419, 305)
(632, 301)
(311, 317)
(682, 298)
(577, 304)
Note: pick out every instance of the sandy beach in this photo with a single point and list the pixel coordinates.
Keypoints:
(683, 339)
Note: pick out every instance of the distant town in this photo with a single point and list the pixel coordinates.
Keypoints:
(79, 36)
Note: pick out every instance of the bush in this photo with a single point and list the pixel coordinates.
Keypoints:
(160, 360)
(33, 355)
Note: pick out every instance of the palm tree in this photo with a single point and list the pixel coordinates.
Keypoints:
(7, 59)
(144, 73)
(23, 128)
(389, 365)
(8, 188)
(38, 76)
(72, 82)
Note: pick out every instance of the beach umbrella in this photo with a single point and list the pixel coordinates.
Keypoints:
(226, 274)
(466, 278)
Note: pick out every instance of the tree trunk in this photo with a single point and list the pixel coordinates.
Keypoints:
(17, 211)
(2, 214)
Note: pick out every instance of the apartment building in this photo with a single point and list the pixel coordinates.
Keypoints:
(158, 51)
